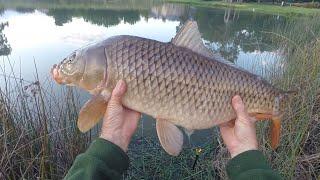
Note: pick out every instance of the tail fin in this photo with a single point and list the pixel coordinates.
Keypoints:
(275, 132)
(282, 101)
(280, 105)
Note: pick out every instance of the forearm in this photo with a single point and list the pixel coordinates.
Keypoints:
(102, 160)
(250, 165)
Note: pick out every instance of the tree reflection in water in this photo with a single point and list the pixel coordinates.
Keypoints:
(226, 31)
(5, 48)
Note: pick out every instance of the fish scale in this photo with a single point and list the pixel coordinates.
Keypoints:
(179, 83)
(200, 88)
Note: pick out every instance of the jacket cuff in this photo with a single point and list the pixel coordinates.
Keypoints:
(248, 160)
(109, 153)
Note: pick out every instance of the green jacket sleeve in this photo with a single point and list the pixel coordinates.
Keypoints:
(250, 165)
(102, 160)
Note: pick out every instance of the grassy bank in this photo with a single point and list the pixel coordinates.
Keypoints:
(39, 139)
(260, 8)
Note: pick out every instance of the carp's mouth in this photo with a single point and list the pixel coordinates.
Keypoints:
(56, 75)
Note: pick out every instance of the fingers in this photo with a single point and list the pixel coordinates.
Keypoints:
(227, 130)
(240, 109)
(229, 124)
(119, 90)
(117, 94)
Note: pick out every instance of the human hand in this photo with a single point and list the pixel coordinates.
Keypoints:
(119, 123)
(239, 135)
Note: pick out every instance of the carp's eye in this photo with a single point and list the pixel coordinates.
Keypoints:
(71, 58)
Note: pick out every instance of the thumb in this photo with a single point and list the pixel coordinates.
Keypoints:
(117, 94)
(239, 107)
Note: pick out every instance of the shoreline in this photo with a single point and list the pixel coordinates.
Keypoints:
(253, 7)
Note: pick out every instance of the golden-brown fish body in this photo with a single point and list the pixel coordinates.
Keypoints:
(176, 84)
(168, 82)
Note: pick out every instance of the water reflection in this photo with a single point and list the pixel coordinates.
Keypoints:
(231, 32)
(171, 11)
(106, 18)
(24, 10)
(226, 31)
(231, 15)
(5, 48)
(237, 36)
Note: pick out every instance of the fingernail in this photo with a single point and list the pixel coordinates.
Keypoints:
(119, 85)
(237, 102)
(237, 98)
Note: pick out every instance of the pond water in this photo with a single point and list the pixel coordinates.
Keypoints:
(44, 32)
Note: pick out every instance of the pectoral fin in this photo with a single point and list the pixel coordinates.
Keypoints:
(171, 138)
(91, 113)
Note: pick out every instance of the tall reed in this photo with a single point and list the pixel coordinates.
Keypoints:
(38, 138)
(298, 156)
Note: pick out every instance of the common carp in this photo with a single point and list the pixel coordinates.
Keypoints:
(179, 83)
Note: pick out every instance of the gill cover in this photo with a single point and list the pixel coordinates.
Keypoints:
(95, 71)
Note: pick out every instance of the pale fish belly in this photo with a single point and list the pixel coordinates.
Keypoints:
(181, 86)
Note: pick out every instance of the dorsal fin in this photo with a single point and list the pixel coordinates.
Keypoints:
(190, 38)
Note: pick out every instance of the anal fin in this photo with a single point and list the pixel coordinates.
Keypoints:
(171, 138)
(91, 113)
